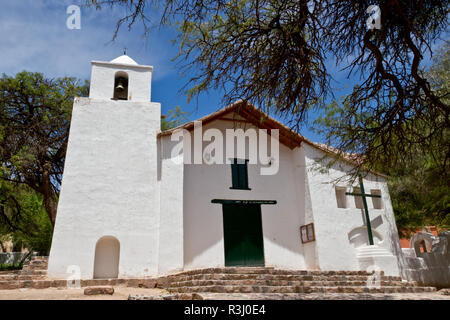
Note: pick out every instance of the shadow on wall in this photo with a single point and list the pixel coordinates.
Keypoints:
(358, 237)
(107, 255)
(310, 249)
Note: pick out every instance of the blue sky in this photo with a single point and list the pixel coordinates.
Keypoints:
(34, 37)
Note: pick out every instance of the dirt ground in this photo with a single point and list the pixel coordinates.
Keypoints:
(120, 293)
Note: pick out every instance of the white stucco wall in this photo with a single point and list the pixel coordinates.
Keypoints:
(335, 226)
(304, 202)
(203, 220)
(109, 187)
(171, 222)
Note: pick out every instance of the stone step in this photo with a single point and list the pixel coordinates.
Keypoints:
(7, 277)
(268, 270)
(298, 289)
(7, 272)
(206, 287)
(37, 263)
(35, 267)
(195, 283)
(289, 277)
(292, 296)
(32, 277)
(186, 296)
(40, 258)
(34, 272)
(388, 289)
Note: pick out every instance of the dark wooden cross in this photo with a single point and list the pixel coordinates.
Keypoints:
(366, 209)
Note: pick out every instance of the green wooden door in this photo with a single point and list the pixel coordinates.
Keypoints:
(243, 235)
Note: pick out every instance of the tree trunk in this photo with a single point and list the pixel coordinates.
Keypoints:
(50, 205)
(50, 202)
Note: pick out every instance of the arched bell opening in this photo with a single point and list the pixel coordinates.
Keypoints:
(120, 86)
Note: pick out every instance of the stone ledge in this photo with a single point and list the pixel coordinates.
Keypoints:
(445, 292)
(89, 291)
(183, 296)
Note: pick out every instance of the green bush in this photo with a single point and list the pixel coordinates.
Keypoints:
(36, 222)
(6, 266)
(24, 219)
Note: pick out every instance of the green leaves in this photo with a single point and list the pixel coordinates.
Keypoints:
(414, 153)
(174, 118)
(23, 218)
(22, 158)
(35, 117)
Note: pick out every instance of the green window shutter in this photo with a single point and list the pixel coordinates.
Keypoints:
(243, 179)
(234, 176)
(239, 174)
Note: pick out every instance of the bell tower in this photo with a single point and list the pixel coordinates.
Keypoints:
(108, 210)
(120, 79)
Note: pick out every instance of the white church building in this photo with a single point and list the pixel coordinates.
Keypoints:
(133, 203)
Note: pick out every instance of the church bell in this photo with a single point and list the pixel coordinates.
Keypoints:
(121, 88)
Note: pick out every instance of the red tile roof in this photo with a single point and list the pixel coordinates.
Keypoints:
(287, 136)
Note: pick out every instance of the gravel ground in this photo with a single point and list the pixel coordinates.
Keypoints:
(122, 293)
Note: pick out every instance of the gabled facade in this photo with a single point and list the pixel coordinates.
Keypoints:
(136, 201)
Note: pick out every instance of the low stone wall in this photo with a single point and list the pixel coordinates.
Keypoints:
(429, 269)
(12, 257)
